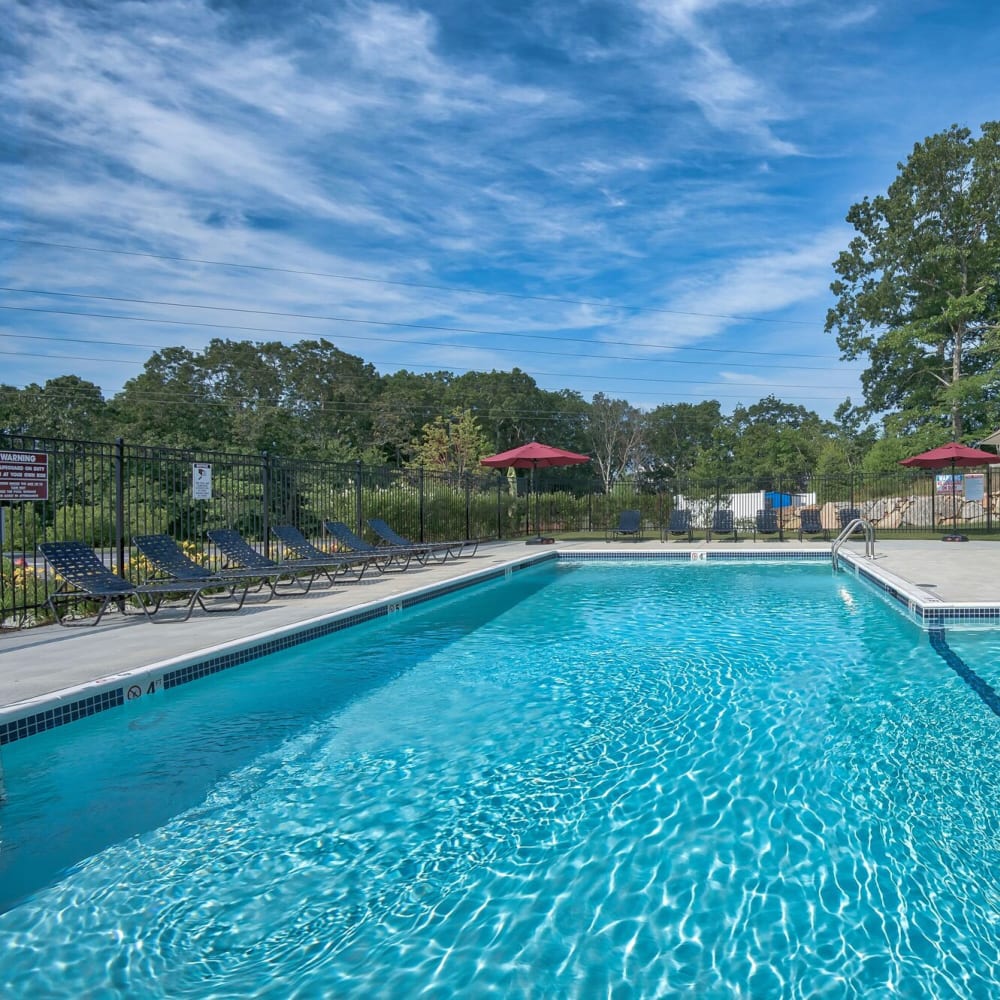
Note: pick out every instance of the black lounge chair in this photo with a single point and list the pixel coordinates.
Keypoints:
(723, 523)
(629, 523)
(387, 556)
(846, 516)
(297, 550)
(811, 524)
(438, 550)
(766, 523)
(680, 524)
(238, 551)
(169, 564)
(87, 581)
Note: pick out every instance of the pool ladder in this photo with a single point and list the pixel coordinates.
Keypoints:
(859, 522)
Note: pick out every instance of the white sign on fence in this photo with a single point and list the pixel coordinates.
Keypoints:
(201, 481)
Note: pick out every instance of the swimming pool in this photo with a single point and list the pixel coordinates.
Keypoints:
(587, 779)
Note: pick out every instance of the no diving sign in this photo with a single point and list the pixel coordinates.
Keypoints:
(24, 475)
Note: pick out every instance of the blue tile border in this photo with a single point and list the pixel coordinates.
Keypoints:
(929, 613)
(61, 715)
(690, 555)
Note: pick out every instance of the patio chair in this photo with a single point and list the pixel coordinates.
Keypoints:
(398, 558)
(629, 523)
(297, 550)
(238, 551)
(86, 581)
(168, 564)
(811, 524)
(848, 514)
(438, 550)
(723, 523)
(680, 524)
(766, 524)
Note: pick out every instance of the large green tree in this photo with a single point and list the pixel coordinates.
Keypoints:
(65, 407)
(676, 434)
(917, 288)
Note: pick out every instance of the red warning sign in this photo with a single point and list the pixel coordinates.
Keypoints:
(24, 475)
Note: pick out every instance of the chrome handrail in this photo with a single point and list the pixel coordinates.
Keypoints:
(858, 522)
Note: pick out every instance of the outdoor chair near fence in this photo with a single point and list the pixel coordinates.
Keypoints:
(811, 524)
(723, 525)
(679, 525)
(168, 563)
(239, 553)
(398, 558)
(629, 525)
(847, 515)
(87, 584)
(298, 551)
(439, 550)
(766, 524)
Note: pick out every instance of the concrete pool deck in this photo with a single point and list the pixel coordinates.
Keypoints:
(52, 664)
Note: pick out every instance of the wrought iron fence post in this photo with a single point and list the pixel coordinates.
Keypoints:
(119, 462)
(989, 499)
(358, 497)
(467, 477)
(500, 481)
(265, 489)
(421, 511)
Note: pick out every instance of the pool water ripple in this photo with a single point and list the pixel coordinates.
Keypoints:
(687, 804)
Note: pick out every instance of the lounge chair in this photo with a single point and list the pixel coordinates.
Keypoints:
(629, 523)
(680, 524)
(169, 565)
(438, 550)
(848, 514)
(297, 550)
(811, 524)
(766, 523)
(238, 551)
(389, 557)
(87, 581)
(723, 523)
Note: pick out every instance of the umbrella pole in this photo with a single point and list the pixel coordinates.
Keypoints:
(537, 540)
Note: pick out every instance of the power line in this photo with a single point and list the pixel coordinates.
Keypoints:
(601, 377)
(403, 284)
(389, 323)
(340, 336)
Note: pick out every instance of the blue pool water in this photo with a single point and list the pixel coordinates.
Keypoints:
(589, 780)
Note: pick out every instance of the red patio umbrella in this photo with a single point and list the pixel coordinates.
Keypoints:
(534, 455)
(950, 455)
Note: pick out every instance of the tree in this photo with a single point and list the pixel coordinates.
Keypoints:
(918, 286)
(770, 439)
(65, 407)
(616, 434)
(452, 444)
(677, 433)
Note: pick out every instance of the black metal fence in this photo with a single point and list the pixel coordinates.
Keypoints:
(103, 493)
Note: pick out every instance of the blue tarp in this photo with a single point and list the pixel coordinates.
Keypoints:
(773, 500)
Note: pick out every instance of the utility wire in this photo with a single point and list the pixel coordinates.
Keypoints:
(390, 323)
(340, 336)
(403, 284)
(601, 377)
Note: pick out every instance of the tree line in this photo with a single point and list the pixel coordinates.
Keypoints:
(917, 297)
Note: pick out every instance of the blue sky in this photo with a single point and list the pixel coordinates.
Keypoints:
(637, 198)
